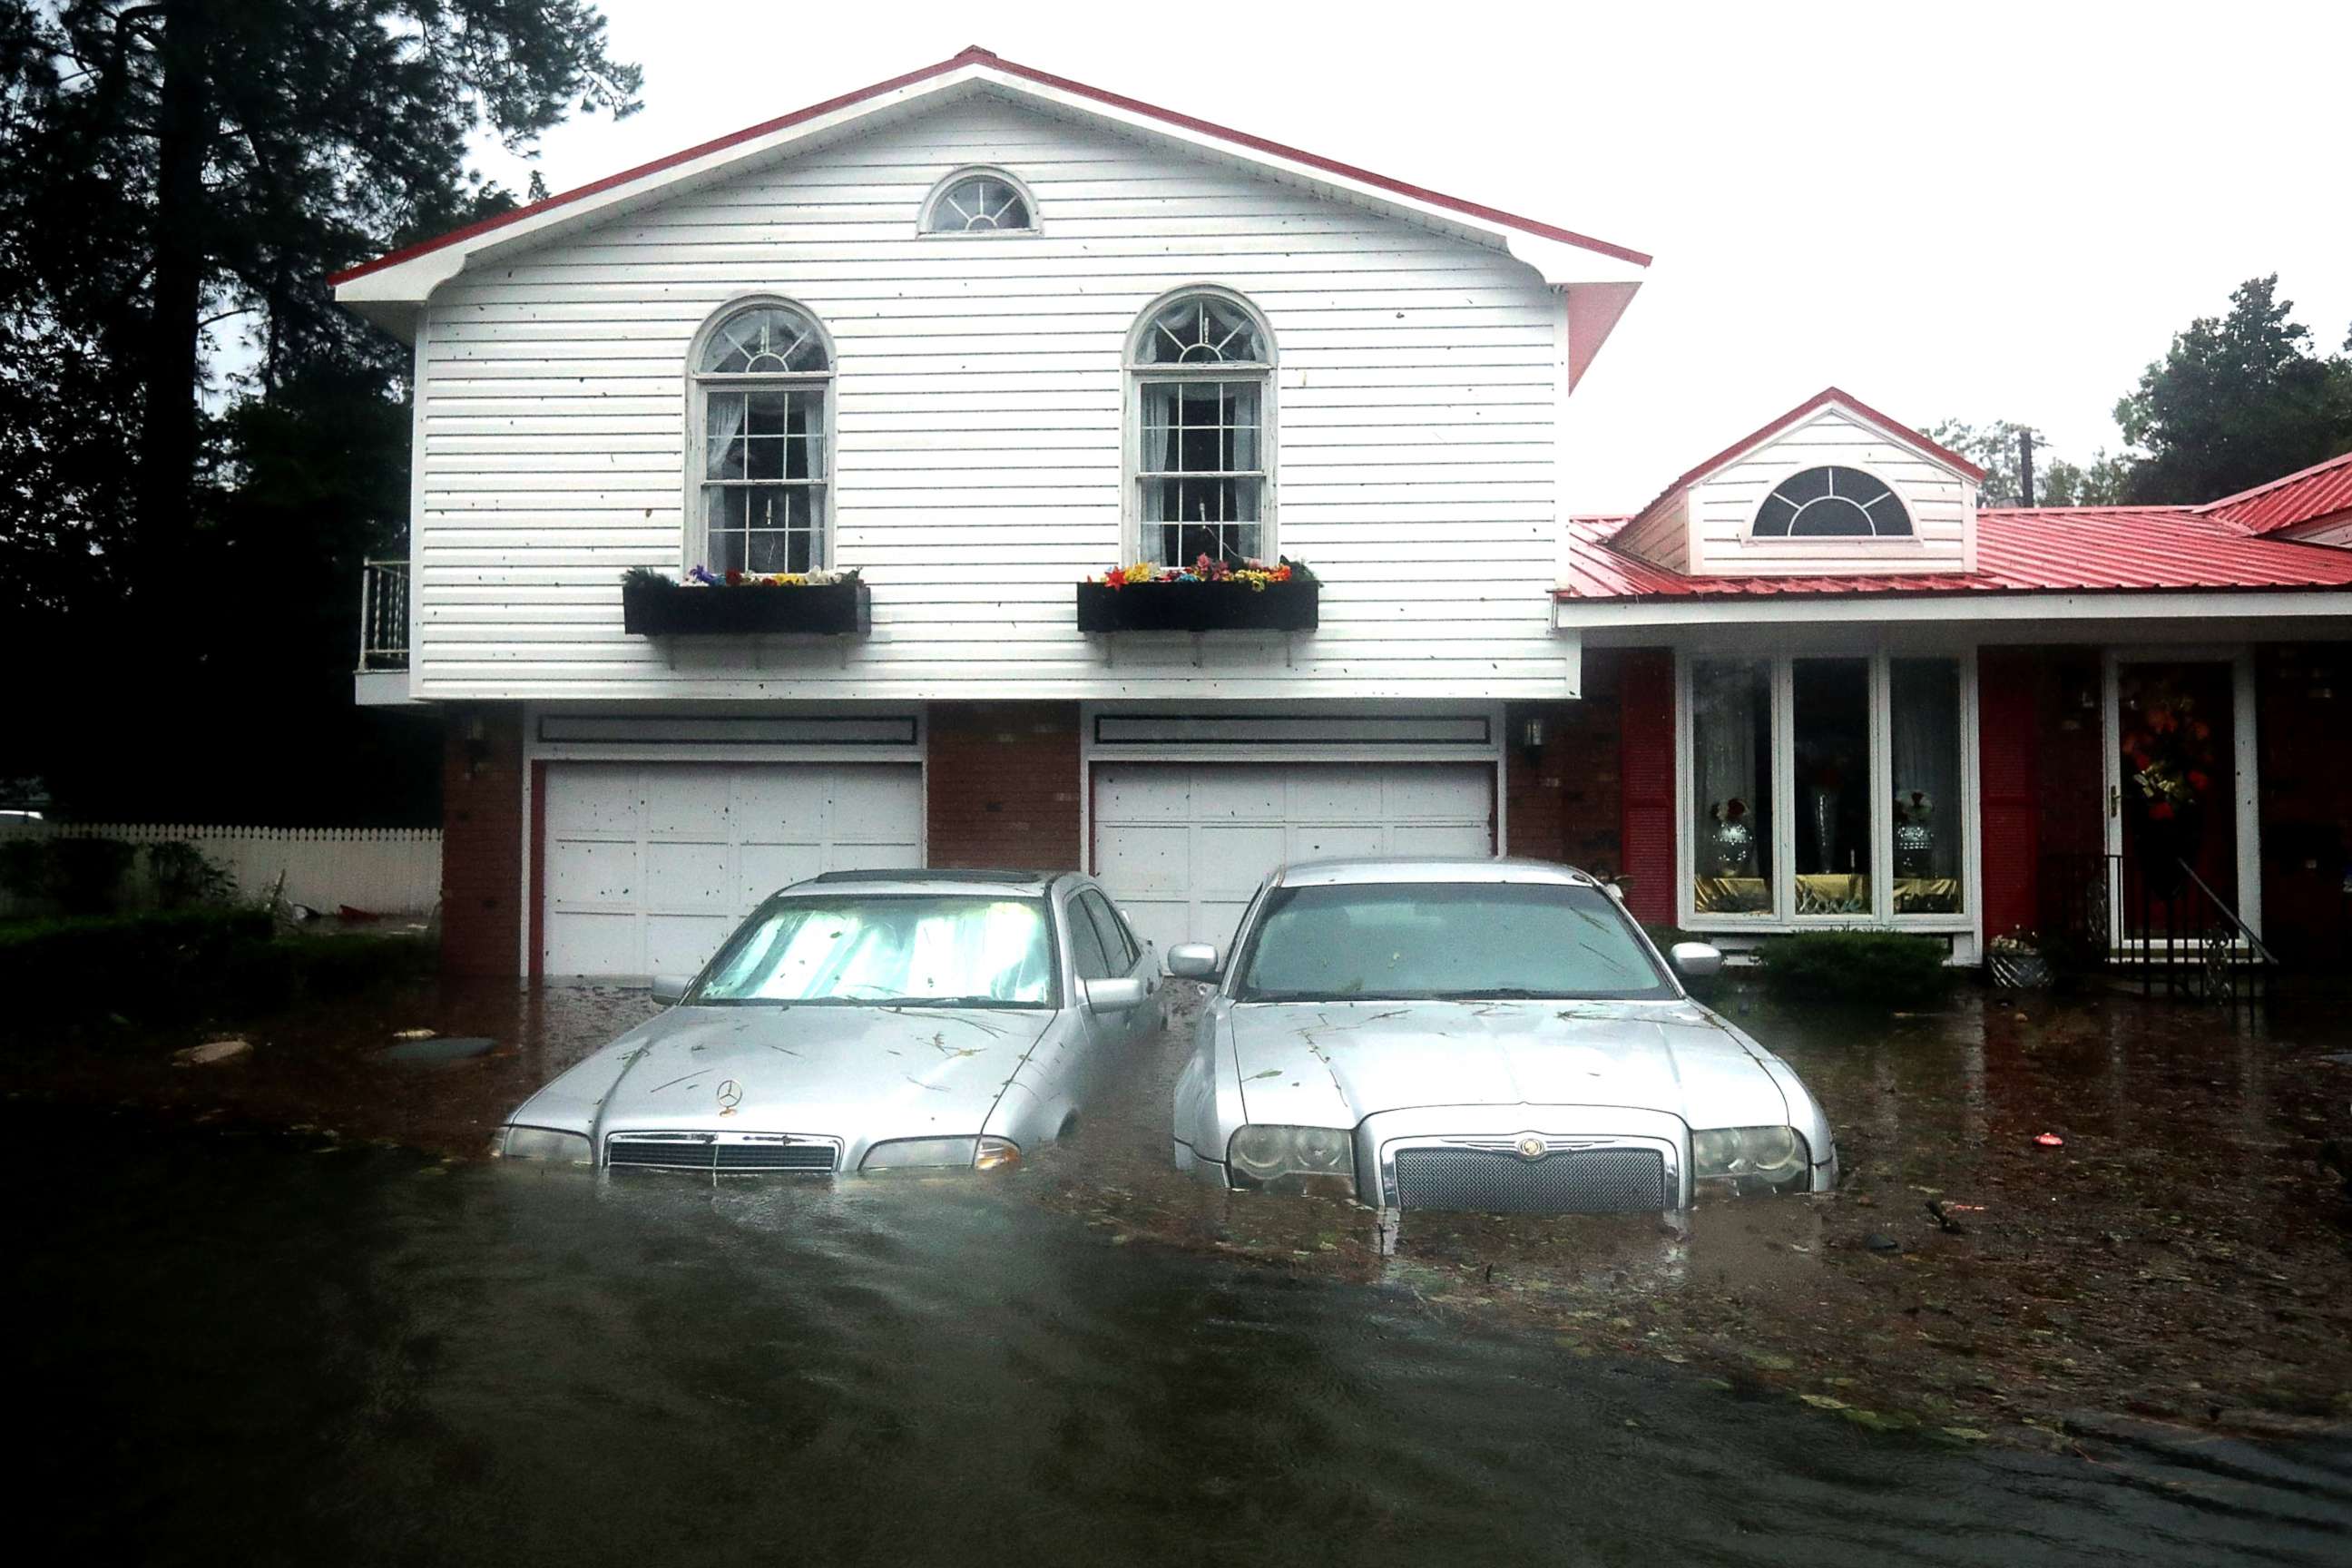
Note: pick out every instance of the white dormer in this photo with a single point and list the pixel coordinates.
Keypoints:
(1833, 488)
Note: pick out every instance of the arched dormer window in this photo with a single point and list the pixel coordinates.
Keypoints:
(1201, 366)
(979, 201)
(1831, 502)
(762, 386)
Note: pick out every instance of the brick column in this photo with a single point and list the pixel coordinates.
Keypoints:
(1646, 789)
(481, 840)
(1564, 800)
(1003, 786)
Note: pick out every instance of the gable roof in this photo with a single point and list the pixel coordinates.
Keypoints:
(407, 275)
(1828, 397)
(2309, 495)
(2047, 550)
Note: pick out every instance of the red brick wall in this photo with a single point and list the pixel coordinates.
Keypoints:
(1646, 686)
(1003, 786)
(2303, 705)
(1564, 802)
(481, 840)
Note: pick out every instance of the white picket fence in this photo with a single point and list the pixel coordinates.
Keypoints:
(384, 870)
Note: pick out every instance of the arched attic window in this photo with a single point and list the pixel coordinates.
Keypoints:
(979, 201)
(1831, 502)
(1203, 365)
(763, 393)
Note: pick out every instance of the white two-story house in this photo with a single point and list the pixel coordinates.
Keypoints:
(883, 406)
(977, 334)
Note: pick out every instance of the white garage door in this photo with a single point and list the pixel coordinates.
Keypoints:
(650, 865)
(1184, 846)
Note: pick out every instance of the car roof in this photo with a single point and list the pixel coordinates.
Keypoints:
(907, 880)
(1427, 869)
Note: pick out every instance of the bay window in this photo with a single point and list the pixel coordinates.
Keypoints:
(1825, 788)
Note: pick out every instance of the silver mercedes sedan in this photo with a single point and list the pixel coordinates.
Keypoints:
(866, 1021)
(1492, 1035)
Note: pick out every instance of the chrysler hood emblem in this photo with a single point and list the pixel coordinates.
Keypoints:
(1530, 1146)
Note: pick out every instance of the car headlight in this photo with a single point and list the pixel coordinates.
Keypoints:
(544, 1143)
(909, 1154)
(1767, 1156)
(1298, 1159)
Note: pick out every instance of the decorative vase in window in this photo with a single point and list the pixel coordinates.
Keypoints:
(1735, 837)
(1824, 801)
(1915, 834)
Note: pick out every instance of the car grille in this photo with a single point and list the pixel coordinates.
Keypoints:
(742, 1153)
(1583, 1180)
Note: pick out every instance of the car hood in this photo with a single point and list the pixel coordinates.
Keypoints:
(1333, 1064)
(847, 1071)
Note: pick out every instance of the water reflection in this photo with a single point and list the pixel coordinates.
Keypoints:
(251, 1351)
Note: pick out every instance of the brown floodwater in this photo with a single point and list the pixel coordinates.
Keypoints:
(2180, 1260)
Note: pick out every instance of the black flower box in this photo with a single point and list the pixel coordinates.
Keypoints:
(659, 609)
(1292, 607)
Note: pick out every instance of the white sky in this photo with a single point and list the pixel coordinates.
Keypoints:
(1983, 211)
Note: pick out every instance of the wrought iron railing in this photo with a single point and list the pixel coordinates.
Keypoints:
(384, 615)
(2191, 943)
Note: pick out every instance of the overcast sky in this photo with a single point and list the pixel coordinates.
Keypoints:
(1983, 211)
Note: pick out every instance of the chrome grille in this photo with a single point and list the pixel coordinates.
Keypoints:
(1580, 1181)
(748, 1154)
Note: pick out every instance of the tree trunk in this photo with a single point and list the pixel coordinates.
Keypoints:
(167, 458)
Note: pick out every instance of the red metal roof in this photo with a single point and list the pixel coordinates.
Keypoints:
(2320, 491)
(1820, 400)
(975, 55)
(2065, 549)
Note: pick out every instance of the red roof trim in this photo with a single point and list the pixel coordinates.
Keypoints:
(975, 55)
(1813, 405)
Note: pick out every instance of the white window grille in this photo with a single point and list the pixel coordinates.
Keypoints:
(763, 382)
(988, 203)
(1202, 367)
(1831, 502)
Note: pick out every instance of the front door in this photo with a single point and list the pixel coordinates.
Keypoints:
(2172, 795)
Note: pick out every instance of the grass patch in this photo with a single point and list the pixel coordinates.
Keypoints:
(1876, 966)
(187, 966)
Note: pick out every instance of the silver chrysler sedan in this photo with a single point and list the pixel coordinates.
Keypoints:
(866, 1021)
(1486, 1034)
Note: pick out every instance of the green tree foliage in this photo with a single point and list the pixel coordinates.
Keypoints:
(2056, 482)
(197, 446)
(2236, 401)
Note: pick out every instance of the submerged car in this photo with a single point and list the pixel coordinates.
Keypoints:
(863, 1022)
(1494, 1036)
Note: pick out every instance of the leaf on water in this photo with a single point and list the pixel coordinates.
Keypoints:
(1823, 1402)
(1967, 1434)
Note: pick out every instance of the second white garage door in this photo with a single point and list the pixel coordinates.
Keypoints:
(1182, 846)
(650, 865)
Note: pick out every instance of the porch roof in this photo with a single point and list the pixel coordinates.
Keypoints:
(2057, 550)
(2319, 493)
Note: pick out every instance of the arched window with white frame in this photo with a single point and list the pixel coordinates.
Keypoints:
(979, 201)
(762, 390)
(1201, 367)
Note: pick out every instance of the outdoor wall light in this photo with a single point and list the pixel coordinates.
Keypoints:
(1533, 732)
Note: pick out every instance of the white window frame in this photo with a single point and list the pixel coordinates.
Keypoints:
(927, 213)
(694, 538)
(1836, 543)
(1782, 916)
(1133, 523)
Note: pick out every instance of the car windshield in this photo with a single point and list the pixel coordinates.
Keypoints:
(1446, 941)
(959, 951)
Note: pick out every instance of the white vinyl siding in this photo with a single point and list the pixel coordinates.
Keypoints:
(1182, 846)
(977, 456)
(651, 865)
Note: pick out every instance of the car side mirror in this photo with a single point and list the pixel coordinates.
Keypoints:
(1192, 961)
(1120, 996)
(1616, 891)
(1697, 959)
(670, 989)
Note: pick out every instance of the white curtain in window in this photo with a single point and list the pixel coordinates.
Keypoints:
(1925, 701)
(722, 422)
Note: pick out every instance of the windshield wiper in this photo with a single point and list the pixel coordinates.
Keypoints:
(1492, 993)
(941, 1002)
